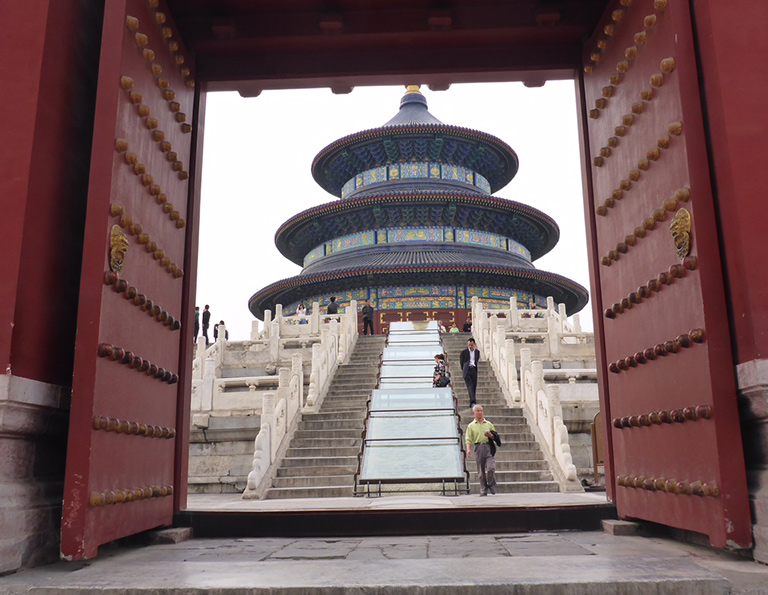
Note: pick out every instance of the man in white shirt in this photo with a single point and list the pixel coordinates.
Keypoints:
(469, 359)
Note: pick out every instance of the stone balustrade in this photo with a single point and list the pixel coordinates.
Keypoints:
(247, 378)
(517, 342)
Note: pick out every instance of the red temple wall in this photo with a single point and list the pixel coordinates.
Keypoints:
(732, 45)
(46, 151)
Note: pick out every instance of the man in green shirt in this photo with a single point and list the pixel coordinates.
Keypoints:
(478, 436)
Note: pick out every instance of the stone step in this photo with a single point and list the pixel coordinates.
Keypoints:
(326, 451)
(343, 404)
(317, 470)
(519, 465)
(350, 400)
(351, 391)
(309, 481)
(310, 442)
(522, 487)
(519, 476)
(330, 435)
(330, 424)
(340, 414)
(517, 455)
(341, 411)
(319, 462)
(311, 492)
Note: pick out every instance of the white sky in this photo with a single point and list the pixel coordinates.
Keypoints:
(256, 174)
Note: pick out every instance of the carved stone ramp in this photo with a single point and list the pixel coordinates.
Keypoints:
(322, 457)
(520, 464)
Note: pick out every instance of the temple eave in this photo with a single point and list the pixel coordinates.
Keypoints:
(529, 226)
(286, 291)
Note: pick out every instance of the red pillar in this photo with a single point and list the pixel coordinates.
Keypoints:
(732, 46)
(50, 56)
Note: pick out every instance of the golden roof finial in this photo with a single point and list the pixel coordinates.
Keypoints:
(413, 89)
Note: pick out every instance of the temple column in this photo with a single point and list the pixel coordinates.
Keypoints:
(50, 57)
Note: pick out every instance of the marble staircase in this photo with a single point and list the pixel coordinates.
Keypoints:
(322, 457)
(520, 464)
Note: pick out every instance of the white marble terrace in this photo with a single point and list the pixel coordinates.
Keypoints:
(542, 360)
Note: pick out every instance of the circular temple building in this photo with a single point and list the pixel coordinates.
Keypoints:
(417, 230)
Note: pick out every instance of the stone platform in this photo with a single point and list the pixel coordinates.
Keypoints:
(517, 563)
(226, 515)
(576, 563)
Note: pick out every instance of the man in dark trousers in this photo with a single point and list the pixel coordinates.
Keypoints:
(480, 436)
(469, 360)
(367, 317)
(333, 307)
(206, 322)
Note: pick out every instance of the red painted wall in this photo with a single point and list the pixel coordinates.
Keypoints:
(732, 46)
(51, 53)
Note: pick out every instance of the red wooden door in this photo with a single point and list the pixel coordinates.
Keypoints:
(126, 462)
(668, 388)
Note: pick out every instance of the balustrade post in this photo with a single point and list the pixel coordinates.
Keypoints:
(297, 370)
(499, 336)
(576, 323)
(255, 330)
(284, 384)
(513, 320)
(267, 323)
(268, 418)
(553, 333)
(512, 382)
(555, 410)
(314, 375)
(526, 386)
(537, 376)
(274, 341)
(201, 347)
(314, 318)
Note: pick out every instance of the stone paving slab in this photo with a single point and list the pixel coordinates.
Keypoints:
(579, 563)
(234, 502)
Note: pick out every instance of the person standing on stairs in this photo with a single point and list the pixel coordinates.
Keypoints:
(478, 436)
(367, 317)
(469, 360)
(206, 323)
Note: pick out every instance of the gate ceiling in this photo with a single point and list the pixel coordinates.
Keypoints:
(250, 45)
(670, 397)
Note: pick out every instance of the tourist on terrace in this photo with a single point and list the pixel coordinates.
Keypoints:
(206, 323)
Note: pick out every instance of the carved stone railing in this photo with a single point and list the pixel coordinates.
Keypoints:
(498, 334)
(270, 347)
(282, 411)
(280, 415)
